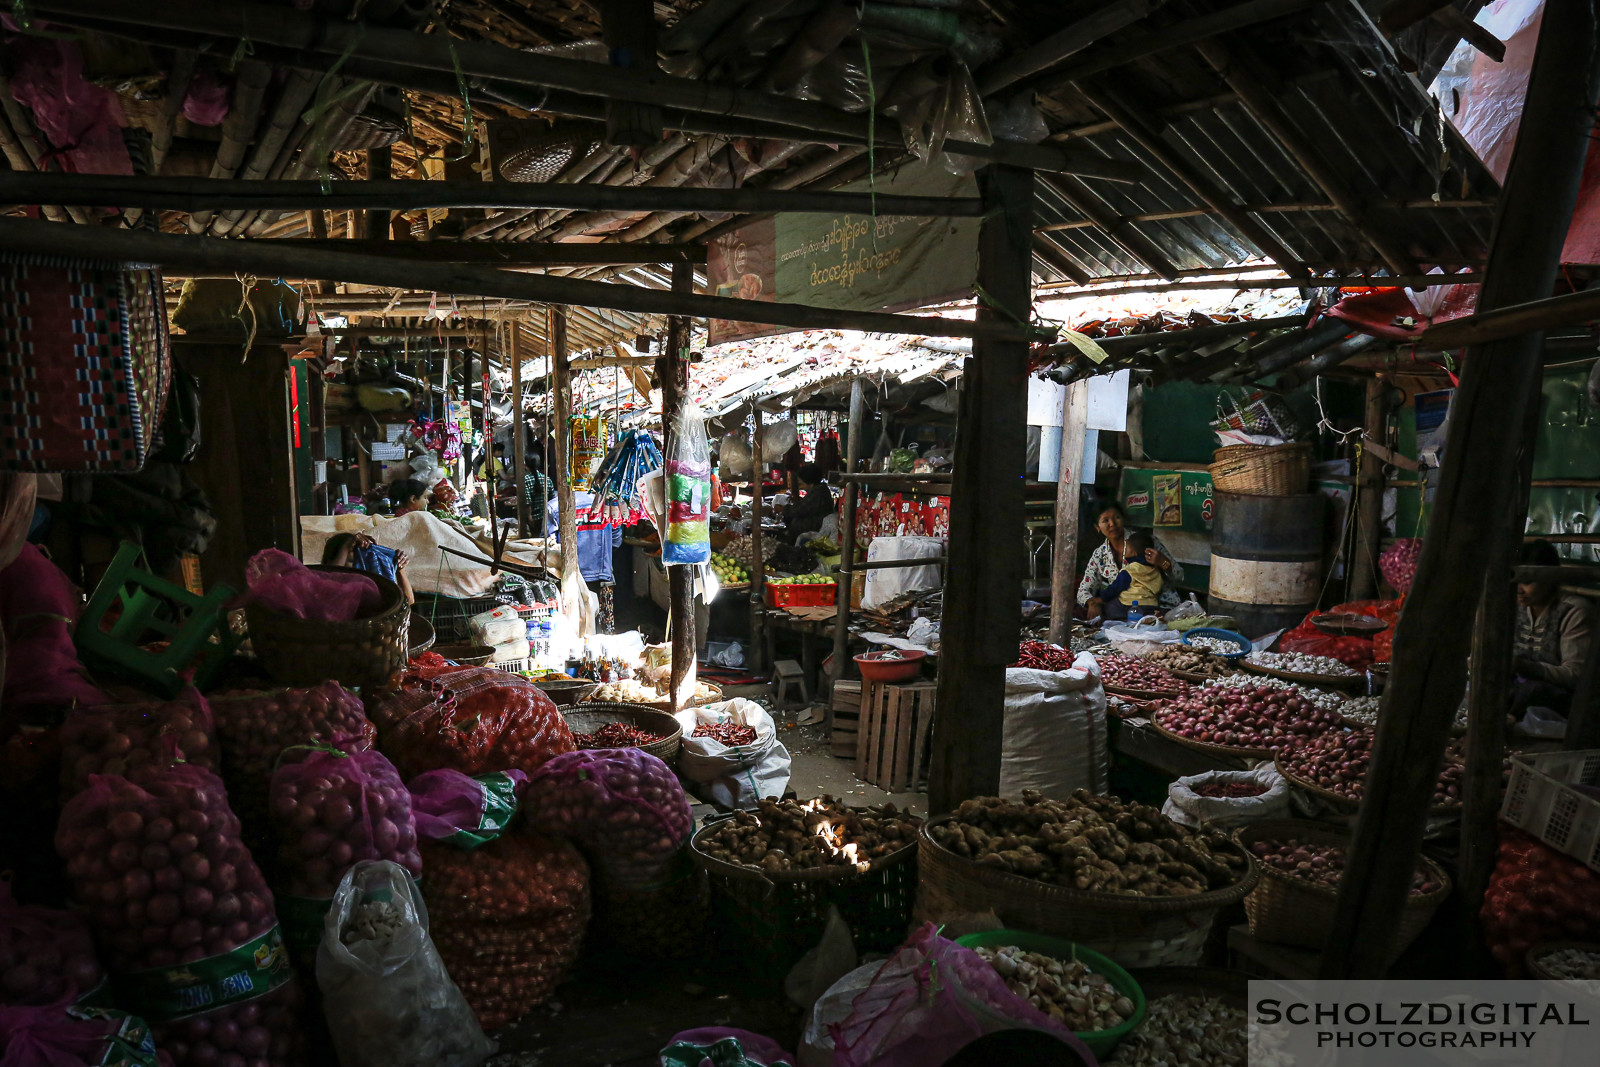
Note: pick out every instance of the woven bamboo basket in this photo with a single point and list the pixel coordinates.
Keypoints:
(1290, 911)
(1262, 470)
(359, 652)
(587, 718)
(1322, 681)
(1535, 959)
(567, 691)
(1207, 747)
(769, 920)
(1133, 931)
(466, 655)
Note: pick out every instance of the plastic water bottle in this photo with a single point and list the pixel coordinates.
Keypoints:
(1135, 613)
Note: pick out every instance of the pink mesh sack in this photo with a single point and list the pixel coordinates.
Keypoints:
(283, 584)
(136, 741)
(334, 809)
(46, 955)
(467, 812)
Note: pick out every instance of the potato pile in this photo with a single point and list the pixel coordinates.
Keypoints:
(788, 836)
(1090, 842)
(1179, 657)
(1065, 990)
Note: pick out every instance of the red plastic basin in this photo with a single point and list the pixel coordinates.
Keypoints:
(875, 668)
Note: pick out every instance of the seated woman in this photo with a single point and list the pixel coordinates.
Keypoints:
(1552, 637)
(1137, 583)
(813, 503)
(407, 495)
(1107, 562)
(347, 550)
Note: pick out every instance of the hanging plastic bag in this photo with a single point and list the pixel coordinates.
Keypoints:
(778, 437)
(734, 457)
(382, 979)
(885, 583)
(688, 537)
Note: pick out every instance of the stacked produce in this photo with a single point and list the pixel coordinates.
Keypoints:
(1537, 894)
(1261, 718)
(1216, 645)
(1065, 990)
(624, 692)
(802, 579)
(167, 883)
(1180, 657)
(786, 835)
(45, 955)
(255, 727)
(472, 719)
(333, 809)
(1324, 699)
(1130, 672)
(1043, 656)
(1572, 964)
(729, 570)
(624, 808)
(1091, 842)
(1338, 763)
(732, 734)
(135, 741)
(1364, 710)
(1183, 1030)
(507, 919)
(741, 550)
(1398, 563)
(1302, 663)
(1231, 790)
(615, 735)
(1322, 865)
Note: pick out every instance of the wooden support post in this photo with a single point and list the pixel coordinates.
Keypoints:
(628, 28)
(1498, 383)
(1363, 562)
(519, 436)
(572, 587)
(1069, 495)
(1583, 720)
(672, 370)
(1490, 693)
(757, 657)
(982, 616)
(378, 169)
(847, 531)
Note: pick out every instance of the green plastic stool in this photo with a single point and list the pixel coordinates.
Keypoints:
(196, 628)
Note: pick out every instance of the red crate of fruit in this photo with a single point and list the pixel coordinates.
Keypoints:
(801, 595)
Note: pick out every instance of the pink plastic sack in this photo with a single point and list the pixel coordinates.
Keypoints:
(82, 121)
(333, 809)
(467, 812)
(136, 741)
(206, 102)
(46, 956)
(38, 608)
(624, 808)
(928, 1002)
(68, 1035)
(282, 583)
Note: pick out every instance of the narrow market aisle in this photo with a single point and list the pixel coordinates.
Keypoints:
(817, 771)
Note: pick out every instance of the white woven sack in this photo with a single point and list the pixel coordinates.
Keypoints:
(1054, 737)
(1187, 808)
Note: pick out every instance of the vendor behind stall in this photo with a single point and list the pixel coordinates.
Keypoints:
(407, 495)
(1552, 636)
(1108, 560)
(364, 554)
(812, 505)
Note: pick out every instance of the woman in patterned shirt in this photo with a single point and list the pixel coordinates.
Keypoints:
(1106, 563)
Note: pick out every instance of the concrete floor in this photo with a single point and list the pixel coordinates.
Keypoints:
(816, 771)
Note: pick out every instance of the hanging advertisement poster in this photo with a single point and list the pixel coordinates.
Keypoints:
(1166, 499)
(849, 262)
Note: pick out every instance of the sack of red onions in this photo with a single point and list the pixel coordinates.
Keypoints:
(475, 720)
(256, 726)
(1537, 894)
(467, 812)
(185, 919)
(46, 956)
(623, 807)
(135, 740)
(63, 1034)
(331, 810)
(508, 919)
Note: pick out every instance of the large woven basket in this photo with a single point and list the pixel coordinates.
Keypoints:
(769, 920)
(367, 651)
(587, 718)
(1134, 931)
(1261, 470)
(1290, 911)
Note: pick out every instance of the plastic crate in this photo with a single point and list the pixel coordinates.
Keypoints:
(809, 595)
(1541, 801)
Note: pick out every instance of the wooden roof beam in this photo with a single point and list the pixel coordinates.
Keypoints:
(318, 42)
(1062, 45)
(1118, 228)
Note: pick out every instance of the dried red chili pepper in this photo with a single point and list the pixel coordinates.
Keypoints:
(616, 735)
(729, 733)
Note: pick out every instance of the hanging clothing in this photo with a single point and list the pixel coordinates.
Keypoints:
(596, 540)
(828, 457)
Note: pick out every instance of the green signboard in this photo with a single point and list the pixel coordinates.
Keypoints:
(1168, 500)
(871, 262)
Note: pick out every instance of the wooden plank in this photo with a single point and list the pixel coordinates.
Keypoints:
(1499, 383)
(985, 573)
(905, 713)
(1063, 44)
(1564, 310)
(1362, 566)
(1069, 498)
(926, 702)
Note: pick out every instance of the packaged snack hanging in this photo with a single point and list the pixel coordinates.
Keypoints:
(688, 470)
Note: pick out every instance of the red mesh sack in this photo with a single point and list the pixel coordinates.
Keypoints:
(136, 741)
(625, 809)
(182, 915)
(475, 720)
(255, 727)
(507, 919)
(333, 809)
(46, 956)
(1537, 894)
